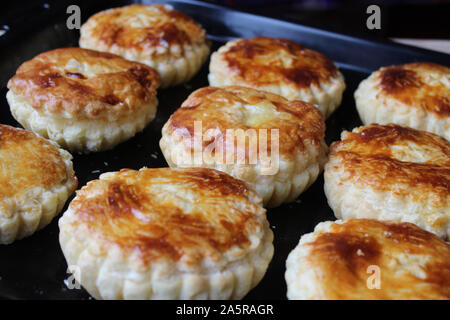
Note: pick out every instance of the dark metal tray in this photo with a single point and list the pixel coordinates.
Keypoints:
(34, 268)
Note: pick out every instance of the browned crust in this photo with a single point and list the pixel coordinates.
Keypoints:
(368, 158)
(113, 85)
(415, 85)
(298, 122)
(345, 252)
(258, 61)
(28, 161)
(128, 210)
(168, 27)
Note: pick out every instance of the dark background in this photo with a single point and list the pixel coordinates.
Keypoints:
(405, 19)
(400, 19)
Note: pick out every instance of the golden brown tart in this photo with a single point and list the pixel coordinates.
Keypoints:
(416, 95)
(36, 178)
(391, 173)
(156, 35)
(82, 99)
(367, 259)
(167, 234)
(275, 145)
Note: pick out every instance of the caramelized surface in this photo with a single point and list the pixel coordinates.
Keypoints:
(27, 162)
(265, 61)
(144, 26)
(399, 159)
(299, 123)
(175, 214)
(425, 86)
(84, 83)
(412, 262)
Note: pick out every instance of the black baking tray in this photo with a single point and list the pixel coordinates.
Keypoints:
(34, 268)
